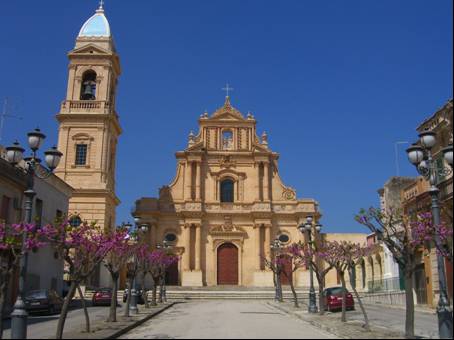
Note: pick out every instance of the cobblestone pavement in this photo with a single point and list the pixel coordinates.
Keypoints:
(226, 320)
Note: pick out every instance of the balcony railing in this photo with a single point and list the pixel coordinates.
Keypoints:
(83, 106)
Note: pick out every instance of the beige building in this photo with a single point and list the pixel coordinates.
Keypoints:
(89, 124)
(226, 205)
(89, 129)
(45, 270)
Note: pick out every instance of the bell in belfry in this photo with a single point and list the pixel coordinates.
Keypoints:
(88, 93)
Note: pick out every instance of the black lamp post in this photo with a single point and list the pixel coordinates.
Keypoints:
(276, 248)
(163, 290)
(139, 229)
(32, 168)
(306, 229)
(421, 157)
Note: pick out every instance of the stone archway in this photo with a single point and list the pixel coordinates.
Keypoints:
(227, 264)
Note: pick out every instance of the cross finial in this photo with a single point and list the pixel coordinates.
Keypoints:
(227, 89)
(101, 4)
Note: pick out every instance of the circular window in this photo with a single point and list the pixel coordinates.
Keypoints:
(284, 238)
(75, 221)
(170, 237)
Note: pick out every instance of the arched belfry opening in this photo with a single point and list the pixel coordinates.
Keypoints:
(88, 90)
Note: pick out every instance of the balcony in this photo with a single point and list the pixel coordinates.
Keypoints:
(414, 190)
(85, 106)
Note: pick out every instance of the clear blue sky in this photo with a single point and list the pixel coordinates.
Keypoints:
(334, 83)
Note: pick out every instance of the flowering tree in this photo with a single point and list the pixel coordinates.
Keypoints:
(339, 262)
(295, 253)
(83, 248)
(11, 252)
(347, 256)
(425, 232)
(114, 261)
(394, 230)
(275, 264)
(312, 255)
(135, 251)
(158, 261)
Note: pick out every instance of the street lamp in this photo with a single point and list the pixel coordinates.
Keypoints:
(276, 248)
(421, 157)
(163, 289)
(306, 229)
(139, 229)
(32, 168)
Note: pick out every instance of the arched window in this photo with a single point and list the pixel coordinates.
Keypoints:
(227, 140)
(88, 90)
(227, 191)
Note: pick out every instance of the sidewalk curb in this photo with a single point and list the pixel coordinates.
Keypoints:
(311, 322)
(140, 322)
(402, 307)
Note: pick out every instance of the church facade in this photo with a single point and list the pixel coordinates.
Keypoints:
(226, 205)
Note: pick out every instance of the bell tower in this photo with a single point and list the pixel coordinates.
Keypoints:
(88, 123)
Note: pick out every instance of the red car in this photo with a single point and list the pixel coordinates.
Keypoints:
(333, 299)
(102, 296)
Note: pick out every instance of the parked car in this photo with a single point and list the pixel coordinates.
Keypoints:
(46, 300)
(140, 299)
(102, 297)
(333, 299)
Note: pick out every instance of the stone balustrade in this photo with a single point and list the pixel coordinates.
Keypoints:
(84, 106)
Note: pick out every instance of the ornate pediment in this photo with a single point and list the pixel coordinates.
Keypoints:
(227, 229)
(227, 162)
(227, 112)
(90, 49)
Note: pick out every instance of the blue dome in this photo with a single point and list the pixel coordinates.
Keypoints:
(96, 26)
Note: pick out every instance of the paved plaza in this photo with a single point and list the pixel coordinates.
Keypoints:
(226, 320)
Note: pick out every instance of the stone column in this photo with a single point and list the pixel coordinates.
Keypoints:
(197, 181)
(258, 251)
(266, 193)
(188, 181)
(198, 245)
(187, 248)
(258, 181)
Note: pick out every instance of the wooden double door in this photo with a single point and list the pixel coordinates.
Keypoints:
(227, 264)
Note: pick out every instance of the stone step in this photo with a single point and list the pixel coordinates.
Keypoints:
(209, 293)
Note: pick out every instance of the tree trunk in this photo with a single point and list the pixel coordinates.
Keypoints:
(344, 297)
(153, 295)
(64, 309)
(292, 287)
(321, 299)
(84, 306)
(279, 287)
(113, 302)
(409, 306)
(128, 300)
(144, 291)
(161, 290)
(363, 310)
